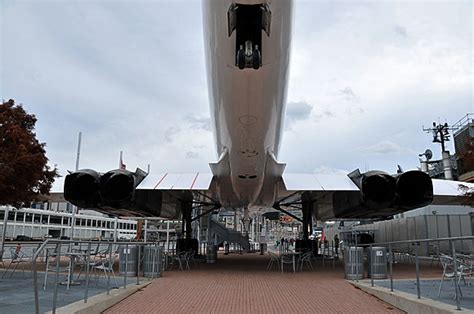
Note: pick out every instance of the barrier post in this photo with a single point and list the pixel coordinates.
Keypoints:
(88, 261)
(126, 267)
(138, 265)
(371, 261)
(391, 266)
(417, 263)
(111, 265)
(456, 281)
(56, 279)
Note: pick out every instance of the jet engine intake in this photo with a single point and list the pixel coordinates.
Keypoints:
(81, 188)
(117, 188)
(377, 189)
(414, 189)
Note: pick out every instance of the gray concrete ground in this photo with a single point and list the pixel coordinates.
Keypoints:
(429, 289)
(17, 296)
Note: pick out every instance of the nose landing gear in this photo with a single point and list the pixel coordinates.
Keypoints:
(249, 57)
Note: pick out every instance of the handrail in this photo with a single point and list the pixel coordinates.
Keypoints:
(56, 241)
(418, 241)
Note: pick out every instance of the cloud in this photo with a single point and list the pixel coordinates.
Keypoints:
(400, 30)
(198, 122)
(386, 147)
(192, 155)
(297, 111)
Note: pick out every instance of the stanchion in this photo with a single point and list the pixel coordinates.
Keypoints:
(138, 265)
(88, 262)
(456, 281)
(391, 266)
(126, 267)
(417, 264)
(56, 279)
(371, 261)
(357, 268)
(111, 264)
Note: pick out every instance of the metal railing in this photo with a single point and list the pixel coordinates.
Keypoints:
(416, 244)
(59, 245)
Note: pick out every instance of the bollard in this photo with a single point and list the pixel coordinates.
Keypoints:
(391, 266)
(417, 264)
(87, 271)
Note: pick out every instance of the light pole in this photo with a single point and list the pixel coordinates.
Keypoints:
(74, 208)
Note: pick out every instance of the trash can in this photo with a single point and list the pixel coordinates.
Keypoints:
(211, 257)
(128, 260)
(152, 258)
(263, 248)
(378, 262)
(354, 262)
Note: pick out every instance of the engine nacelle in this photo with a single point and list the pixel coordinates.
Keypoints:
(117, 188)
(414, 189)
(81, 188)
(378, 189)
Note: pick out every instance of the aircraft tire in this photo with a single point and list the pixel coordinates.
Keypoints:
(256, 59)
(241, 59)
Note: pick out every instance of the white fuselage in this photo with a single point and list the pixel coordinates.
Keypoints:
(247, 106)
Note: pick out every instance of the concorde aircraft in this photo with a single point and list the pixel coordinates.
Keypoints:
(247, 49)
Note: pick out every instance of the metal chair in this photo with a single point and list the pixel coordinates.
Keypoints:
(50, 265)
(273, 258)
(450, 272)
(17, 257)
(305, 259)
(105, 266)
(287, 259)
(180, 258)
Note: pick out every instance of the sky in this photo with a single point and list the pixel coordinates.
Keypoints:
(365, 77)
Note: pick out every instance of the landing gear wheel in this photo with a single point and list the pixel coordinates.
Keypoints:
(241, 58)
(256, 59)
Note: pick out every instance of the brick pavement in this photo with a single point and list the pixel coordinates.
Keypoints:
(241, 284)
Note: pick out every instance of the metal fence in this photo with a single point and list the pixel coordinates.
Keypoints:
(85, 250)
(451, 242)
(423, 227)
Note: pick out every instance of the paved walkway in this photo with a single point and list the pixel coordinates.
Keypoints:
(241, 284)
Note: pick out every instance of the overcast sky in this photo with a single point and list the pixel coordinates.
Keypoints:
(364, 78)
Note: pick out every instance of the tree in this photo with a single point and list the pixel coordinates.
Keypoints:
(24, 172)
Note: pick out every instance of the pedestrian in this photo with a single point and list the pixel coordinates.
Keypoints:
(336, 243)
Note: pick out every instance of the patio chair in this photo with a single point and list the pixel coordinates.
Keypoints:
(17, 257)
(50, 265)
(305, 258)
(273, 258)
(106, 267)
(287, 259)
(181, 259)
(450, 273)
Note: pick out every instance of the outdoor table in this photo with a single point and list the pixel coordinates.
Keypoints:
(293, 255)
(73, 256)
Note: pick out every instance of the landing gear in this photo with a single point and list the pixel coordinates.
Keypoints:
(256, 58)
(241, 58)
(248, 57)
